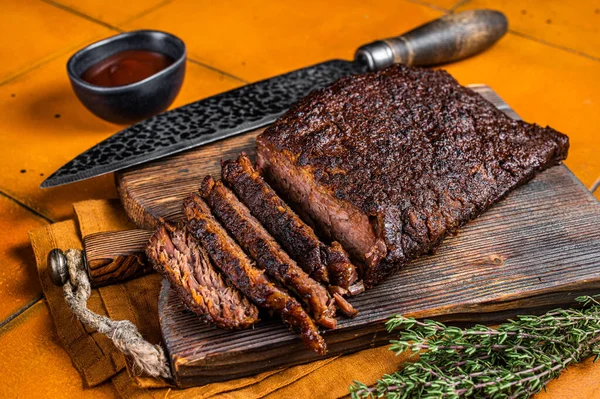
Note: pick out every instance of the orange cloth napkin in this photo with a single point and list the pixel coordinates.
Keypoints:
(97, 360)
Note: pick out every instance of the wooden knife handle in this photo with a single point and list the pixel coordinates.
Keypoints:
(449, 38)
(116, 256)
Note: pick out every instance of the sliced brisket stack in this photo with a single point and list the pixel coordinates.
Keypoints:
(328, 264)
(263, 248)
(251, 281)
(388, 163)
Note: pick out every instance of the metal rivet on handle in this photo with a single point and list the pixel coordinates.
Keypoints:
(57, 267)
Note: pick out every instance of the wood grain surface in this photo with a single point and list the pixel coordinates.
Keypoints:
(116, 256)
(537, 249)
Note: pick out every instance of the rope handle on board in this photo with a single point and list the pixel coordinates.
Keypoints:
(67, 270)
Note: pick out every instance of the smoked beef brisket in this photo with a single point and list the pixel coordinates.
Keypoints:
(185, 264)
(263, 248)
(227, 255)
(388, 163)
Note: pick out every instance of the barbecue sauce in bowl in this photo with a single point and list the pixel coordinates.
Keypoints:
(126, 67)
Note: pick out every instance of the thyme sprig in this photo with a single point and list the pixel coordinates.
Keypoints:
(514, 360)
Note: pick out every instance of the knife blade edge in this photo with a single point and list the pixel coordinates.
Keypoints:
(204, 120)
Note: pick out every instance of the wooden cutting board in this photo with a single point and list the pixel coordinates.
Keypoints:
(539, 248)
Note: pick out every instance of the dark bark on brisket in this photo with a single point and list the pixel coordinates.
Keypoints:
(323, 263)
(251, 281)
(341, 272)
(185, 264)
(390, 162)
(263, 248)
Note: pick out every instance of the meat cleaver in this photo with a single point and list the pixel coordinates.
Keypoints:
(449, 38)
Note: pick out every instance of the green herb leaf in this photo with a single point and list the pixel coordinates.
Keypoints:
(515, 360)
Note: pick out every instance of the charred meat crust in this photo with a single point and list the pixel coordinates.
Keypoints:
(342, 273)
(390, 162)
(185, 264)
(262, 247)
(279, 219)
(251, 281)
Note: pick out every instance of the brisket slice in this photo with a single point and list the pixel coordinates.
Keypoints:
(185, 264)
(251, 281)
(322, 262)
(390, 162)
(263, 248)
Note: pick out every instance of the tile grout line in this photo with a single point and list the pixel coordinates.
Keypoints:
(516, 33)
(27, 207)
(81, 15)
(595, 186)
(460, 3)
(40, 296)
(146, 12)
(39, 64)
(429, 5)
(193, 61)
(22, 310)
(556, 46)
(141, 14)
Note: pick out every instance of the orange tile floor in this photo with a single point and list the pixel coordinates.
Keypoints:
(547, 68)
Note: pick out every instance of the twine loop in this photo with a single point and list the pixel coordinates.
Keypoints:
(147, 359)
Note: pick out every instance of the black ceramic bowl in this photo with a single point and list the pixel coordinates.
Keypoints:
(136, 101)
